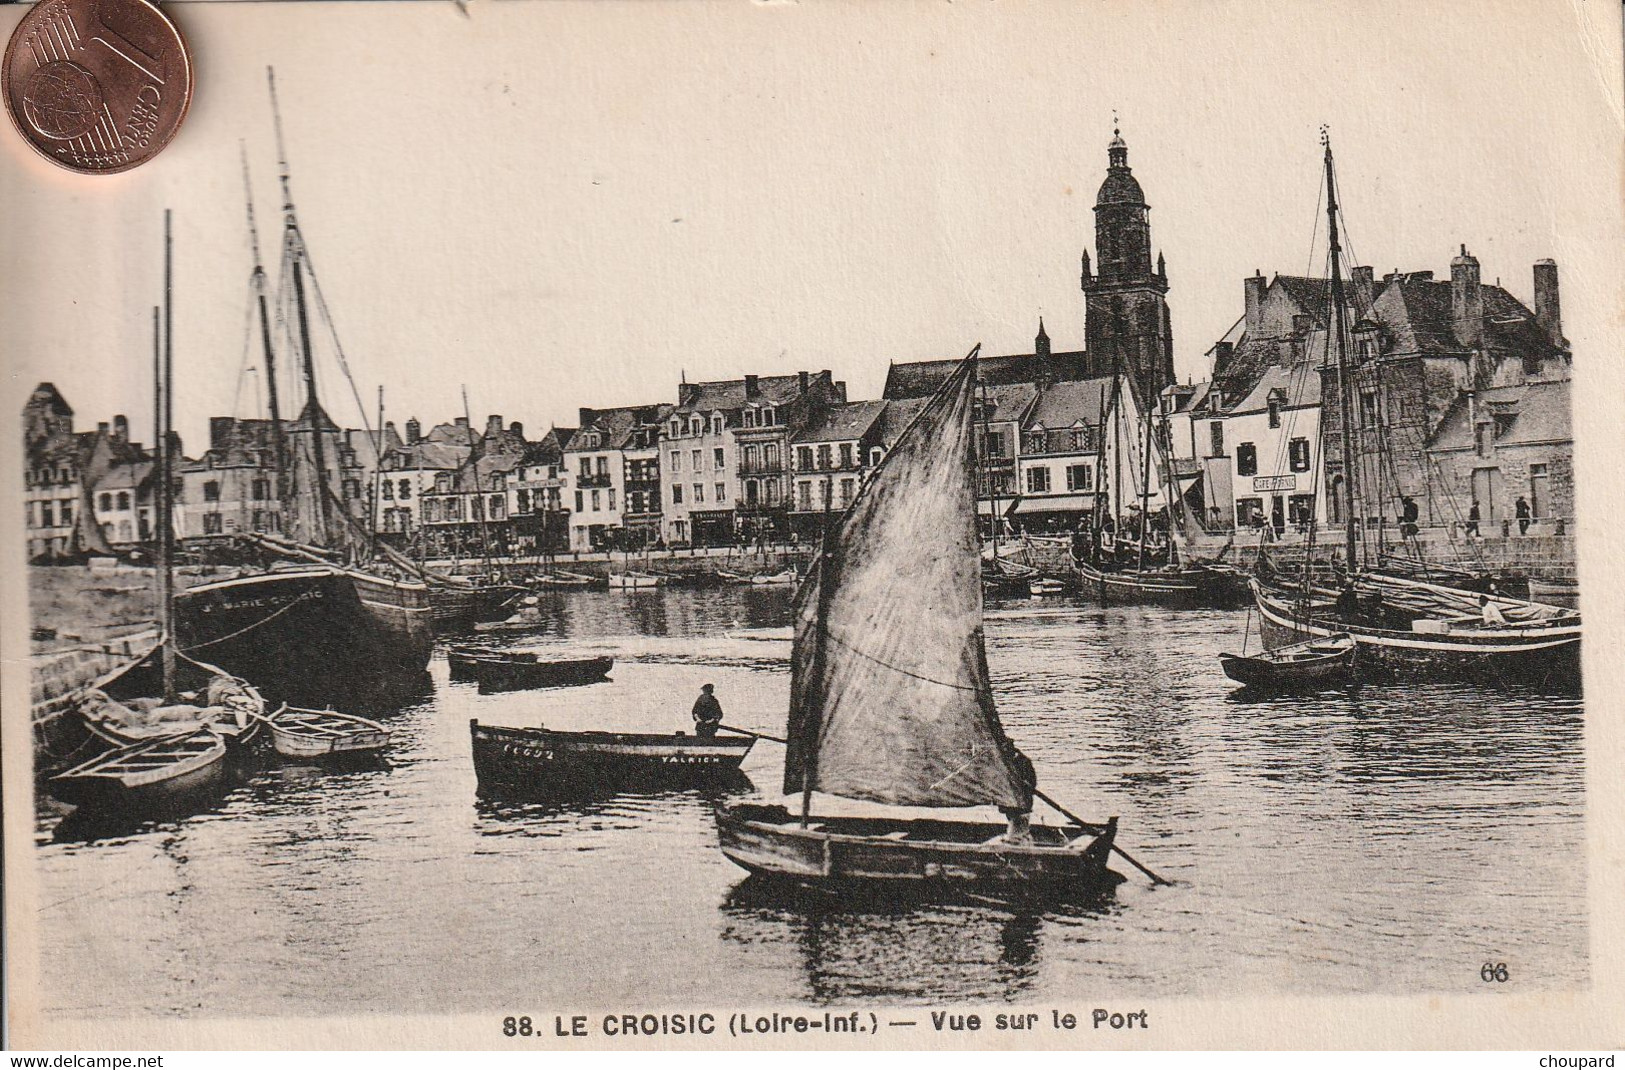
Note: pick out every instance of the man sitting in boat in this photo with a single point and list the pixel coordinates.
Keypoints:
(1020, 830)
(1493, 617)
(707, 713)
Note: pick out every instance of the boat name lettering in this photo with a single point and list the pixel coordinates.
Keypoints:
(690, 759)
(525, 750)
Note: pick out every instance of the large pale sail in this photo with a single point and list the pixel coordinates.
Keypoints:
(890, 700)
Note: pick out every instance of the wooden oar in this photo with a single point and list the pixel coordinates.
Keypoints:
(1075, 819)
(758, 735)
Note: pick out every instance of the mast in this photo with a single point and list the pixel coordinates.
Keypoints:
(165, 377)
(987, 468)
(1145, 479)
(293, 255)
(260, 285)
(378, 467)
(1345, 411)
(479, 494)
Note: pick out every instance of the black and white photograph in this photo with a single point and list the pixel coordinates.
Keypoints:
(763, 525)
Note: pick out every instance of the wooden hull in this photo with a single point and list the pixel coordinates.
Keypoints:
(1306, 673)
(509, 673)
(93, 785)
(1540, 656)
(333, 735)
(460, 661)
(635, 581)
(921, 856)
(1183, 589)
(458, 609)
(534, 762)
(314, 636)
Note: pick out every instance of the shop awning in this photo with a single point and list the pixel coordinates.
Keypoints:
(984, 507)
(1057, 503)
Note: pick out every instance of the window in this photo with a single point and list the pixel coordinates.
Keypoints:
(496, 507)
(676, 429)
(995, 444)
(612, 499)
(1249, 511)
(352, 489)
(846, 493)
(748, 460)
(1038, 481)
(211, 491)
(386, 490)
(770, 456)
(47, 515)
(586, 468)
(1298, 454)
(521, 500)
(66, 511)
(823, 457)
(581, 507)
(699, 493)
(1300, 509)
(772, 492)
(1275, 412)
(106, 503)
(1246, 459)
(768, 417)
(875, 454)
(676, 460)
(846, 455)
(454, 509)
(748, 418)
(123, 499)
(716, 425)
(1368, 408)
(603, 466)
(404, 490)
(804, 495)
(212, 524)
(1481, 439)
(259, 489)
(1215, 433)
(1079, 477)
(716, 459)
(677, 494)
(804, 458)
(695, 459)
(259, 520)
(722, 492)
(1080, 438)
(1504, 422)
(597, 500)
(1035, 442)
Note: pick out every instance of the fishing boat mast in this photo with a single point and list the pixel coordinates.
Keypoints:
(258, 282)
(479, 495)
(164, 380)
(987, 471)
(1345, 413)
(294, 257)
(1145, 474)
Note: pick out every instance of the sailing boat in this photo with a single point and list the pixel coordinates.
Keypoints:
(1402, 625)
(320, 633)
(890, 700)
(166, 722)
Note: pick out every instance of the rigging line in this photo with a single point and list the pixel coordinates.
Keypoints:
(832, 637)
(248, 339)
(332, 330)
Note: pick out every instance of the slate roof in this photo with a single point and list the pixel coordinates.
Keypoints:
(921, 378)
(126, 476)
(1299, 385)
(841, 423)
(1065, 404)
(617, 425)
(898, 414)
(1543, 414)
(729, 394)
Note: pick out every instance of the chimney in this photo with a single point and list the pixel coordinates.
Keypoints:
(1256, 286)
(1222, 352)
(414, 431)
(585, 417)
(752, 386)
(840, 391)
(1364, 290)
(801, 381)
(1466, 300)
(101, 427)
(121, 426)
(1548, 313)
(516, 429)
(687, 393)
(493, 425)
(461, 421)
(220, 428)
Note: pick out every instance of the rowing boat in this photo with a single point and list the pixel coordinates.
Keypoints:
(539, 762)
(300, 733)
(523, 671)
(1300, 665)
(147, 773)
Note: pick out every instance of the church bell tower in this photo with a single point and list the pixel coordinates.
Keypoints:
(1126, 326)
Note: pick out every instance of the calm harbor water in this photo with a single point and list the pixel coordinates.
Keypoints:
(1387, 841)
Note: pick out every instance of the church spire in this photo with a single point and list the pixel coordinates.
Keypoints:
(1117, 148)
(1041, 342)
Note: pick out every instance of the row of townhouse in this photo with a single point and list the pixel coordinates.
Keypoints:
(1459, 396)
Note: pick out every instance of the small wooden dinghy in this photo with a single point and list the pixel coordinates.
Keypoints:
(142, 774)
(635, 581)
(461, 659)
(558, 578)
(1046, 587)
(523, 671)
(300, 733)
(1314, 663)
(539, 762)
(784, 578)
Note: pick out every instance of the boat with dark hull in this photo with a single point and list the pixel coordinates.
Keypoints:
(538, 763)
(891, 703)
(1305, 666)
(1184, 588)
(456, 608)
(310, 635)
(526, 671)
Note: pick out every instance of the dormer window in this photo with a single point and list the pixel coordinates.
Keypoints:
(767, 417)
(1275, 411)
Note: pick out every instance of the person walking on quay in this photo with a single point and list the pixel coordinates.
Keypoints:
(707, 713)
(1473, 517)
(1521, 509)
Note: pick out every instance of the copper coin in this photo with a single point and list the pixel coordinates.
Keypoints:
(97, 85)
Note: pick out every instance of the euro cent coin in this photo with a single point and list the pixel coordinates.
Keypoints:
(97, 86)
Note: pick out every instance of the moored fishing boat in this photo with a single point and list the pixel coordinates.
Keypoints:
(784, 577)
(635, 581)
(154, 772)
(310, 734)
(560, 578)
(524, 671)
(1315, 663)
(1183, 587)
(891, 704)
(1045, 587)
(539, 762)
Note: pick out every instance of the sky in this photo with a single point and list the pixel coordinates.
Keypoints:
(566, 204)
